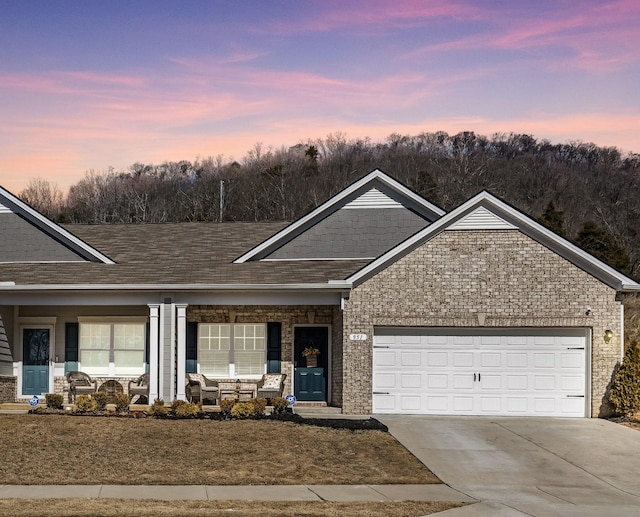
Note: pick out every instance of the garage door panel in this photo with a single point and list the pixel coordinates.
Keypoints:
(437, 381)
(517, 360)
(572, 384)
(437, 404)
(412, 380)
(517, 405)
(490, 359)
(544, 360)
(385, 381)
(520, 372)
(462, 404)
(384, 358)
(411, 358)
(410, 403)
(491, 381)
(463, 381)
(462, 359)
(436, 359)
(517, 382)
(571, 360)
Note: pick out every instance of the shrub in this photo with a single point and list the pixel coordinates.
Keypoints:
(85, 404)
(625, 390)
(243, 410)
(101, 400)
(158, 409)
(187, 410)
(259, 405)
(54, 400)
(176, 404)
(122, 402)
(280, 405)
(226, 405)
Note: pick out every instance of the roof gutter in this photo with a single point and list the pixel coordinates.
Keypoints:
(329, 286)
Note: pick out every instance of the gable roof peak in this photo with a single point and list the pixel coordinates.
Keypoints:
(387, 193)
(10, 203)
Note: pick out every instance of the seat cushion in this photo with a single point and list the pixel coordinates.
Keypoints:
(272, 381)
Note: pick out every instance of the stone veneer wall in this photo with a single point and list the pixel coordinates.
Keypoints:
(8, 388)
(336, 358)
(286, 314)
(448, 281)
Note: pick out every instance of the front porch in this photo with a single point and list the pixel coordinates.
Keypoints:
(169, 340)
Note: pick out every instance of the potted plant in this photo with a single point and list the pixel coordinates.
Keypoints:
(311, 355)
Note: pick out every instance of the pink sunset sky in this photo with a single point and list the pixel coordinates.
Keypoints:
(91, 85)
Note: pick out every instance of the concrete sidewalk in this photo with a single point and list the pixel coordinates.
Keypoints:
(335, 493)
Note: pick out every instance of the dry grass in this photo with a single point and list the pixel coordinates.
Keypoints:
(146, 508)
(53, 449)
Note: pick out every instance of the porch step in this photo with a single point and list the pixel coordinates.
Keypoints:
(12, 408)
(308, 409)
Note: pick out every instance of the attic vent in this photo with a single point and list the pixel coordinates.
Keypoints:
(4, 209)
(482, 219)
(373, 199)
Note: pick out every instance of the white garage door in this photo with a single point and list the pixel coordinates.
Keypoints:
(535, 372)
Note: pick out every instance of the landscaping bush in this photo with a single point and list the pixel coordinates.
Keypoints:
(101, 400)
(259, 405)
(54, 400)
(242, 410)
(226, 405)
(279, 404)
(175, 405)
(187, 410)
(85, 404)
(625, 390)
(122, 402)
(158, 409)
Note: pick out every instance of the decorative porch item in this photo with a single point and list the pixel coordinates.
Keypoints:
(311, 355)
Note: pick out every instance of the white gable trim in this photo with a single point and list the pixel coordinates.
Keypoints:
(521, 222)
(372, 199)
(5, 209)
(482, 219)
(331, 203)
(40, 221)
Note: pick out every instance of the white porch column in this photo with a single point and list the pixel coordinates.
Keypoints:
(181, 368)
(154, 322)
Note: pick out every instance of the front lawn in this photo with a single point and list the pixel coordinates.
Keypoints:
(52, 449)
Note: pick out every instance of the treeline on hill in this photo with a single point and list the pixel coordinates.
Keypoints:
(589, 194)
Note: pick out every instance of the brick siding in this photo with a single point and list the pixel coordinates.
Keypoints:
(8, 388)
(505, 275)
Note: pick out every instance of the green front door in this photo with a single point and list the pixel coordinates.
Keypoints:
(35, 361)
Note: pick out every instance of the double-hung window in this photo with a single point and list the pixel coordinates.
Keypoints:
(112, 348)
(232, 350)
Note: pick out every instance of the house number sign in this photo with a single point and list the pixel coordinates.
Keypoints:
(358, 337)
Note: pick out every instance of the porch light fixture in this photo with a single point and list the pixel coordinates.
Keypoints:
(607, 336)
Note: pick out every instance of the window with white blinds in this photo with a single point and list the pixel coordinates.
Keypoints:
(226, 350)
(112, 348)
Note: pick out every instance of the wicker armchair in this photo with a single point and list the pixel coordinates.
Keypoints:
(203, 388)
(80, 384)
(271, 385)
(140, 387)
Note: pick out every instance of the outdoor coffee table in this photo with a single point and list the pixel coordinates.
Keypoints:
(238, 395)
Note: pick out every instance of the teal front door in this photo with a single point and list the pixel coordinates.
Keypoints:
(35, 361)
(310, 384)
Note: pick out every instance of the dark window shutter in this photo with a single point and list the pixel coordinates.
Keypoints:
(192, 347)
(274, 347)
(71, 332)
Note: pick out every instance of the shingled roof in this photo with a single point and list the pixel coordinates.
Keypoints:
(178, 254)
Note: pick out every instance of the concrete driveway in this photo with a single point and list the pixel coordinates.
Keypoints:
(529, 466)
